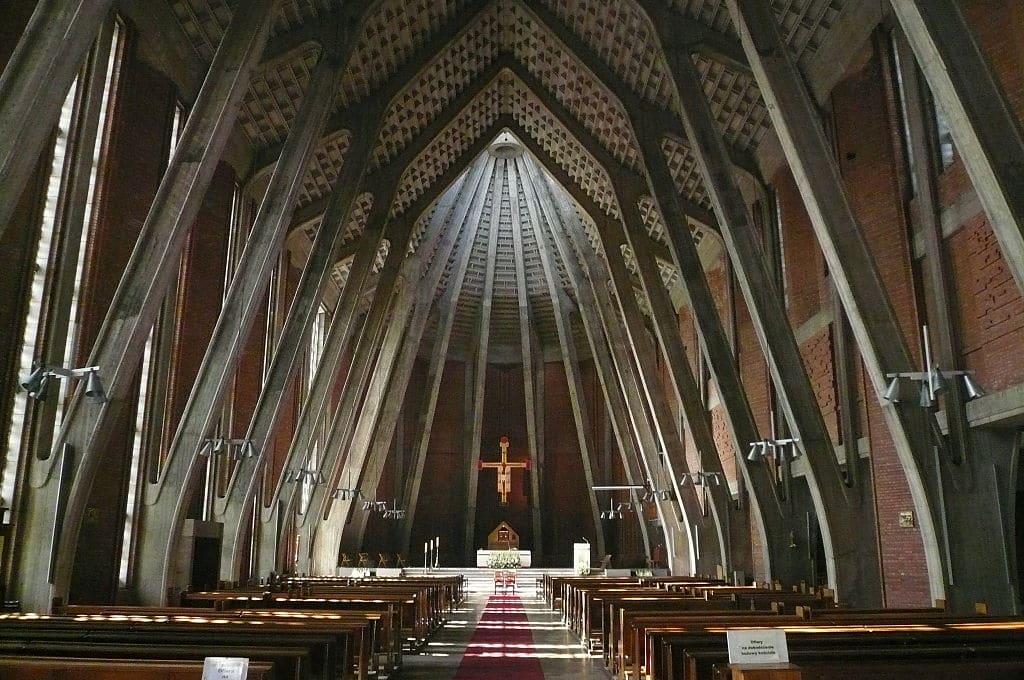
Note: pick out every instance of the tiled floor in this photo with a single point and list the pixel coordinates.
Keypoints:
(560, 652)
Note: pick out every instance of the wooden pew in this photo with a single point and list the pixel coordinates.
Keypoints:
(70, 668)
(374, 634)
(954, 646)
(304, 651)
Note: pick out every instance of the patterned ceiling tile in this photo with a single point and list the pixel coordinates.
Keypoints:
(205, 21)
(357, 220)
(571, 84)
(536, 120)
(324, 168)
(683, 166)
(437, 84)
(446, 148)
(622, 35)
(735, 103)
(804, 24)
(389, 37)
(274, 96)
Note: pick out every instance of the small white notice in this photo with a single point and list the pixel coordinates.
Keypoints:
(225, 668)
(757, 645)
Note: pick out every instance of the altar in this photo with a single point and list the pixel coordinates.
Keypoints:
(483, 557)
(502, 541)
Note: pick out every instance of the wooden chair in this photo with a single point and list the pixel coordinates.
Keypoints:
(346, 561)
(606, 562)
(510, 580)
(399, 561)
(364, 560)
(383, 560)
(499, 580)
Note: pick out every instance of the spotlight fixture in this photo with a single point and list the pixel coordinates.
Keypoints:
(235, 449)
(37, 383)
(701, 478)
(778, 448)
(612, 512)
(347, 492)
(758, 450)
(933, 380)
(393, 512)
(302, 475)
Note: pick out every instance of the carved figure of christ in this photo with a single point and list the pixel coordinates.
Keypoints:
(504, 469)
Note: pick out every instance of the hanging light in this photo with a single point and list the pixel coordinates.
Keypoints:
(971, 388)
(758, 450)
(38, 381)
(892, 392)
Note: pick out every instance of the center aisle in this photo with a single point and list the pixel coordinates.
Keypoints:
(502, 636)
(502, 645)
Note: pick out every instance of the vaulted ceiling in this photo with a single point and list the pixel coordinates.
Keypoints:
(558, 75)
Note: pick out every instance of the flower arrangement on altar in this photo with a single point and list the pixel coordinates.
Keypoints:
(504, 559)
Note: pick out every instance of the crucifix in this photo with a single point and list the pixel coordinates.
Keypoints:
(504, 468)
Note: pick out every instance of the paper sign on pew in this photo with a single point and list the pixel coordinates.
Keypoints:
(757, 645)
(225, 668)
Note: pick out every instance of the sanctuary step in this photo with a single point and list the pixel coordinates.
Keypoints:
(481, 579)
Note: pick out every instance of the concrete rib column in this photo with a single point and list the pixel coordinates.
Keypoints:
(851, 552)
(161, 521)
(363, 357)
(769, 515)
(985, 128)
(562, 308)
(607, 343)
(480, 370)
(119, 345)
(651, 403)
(446, 305)
(850, 262)
(416, 299)
(526, 331)
(35, 82)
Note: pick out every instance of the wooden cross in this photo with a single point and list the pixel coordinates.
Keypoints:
(504, 468)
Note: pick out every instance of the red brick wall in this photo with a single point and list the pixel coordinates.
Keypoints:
(504, 416)
(200, 290)
(753, 367)
(817, 353)
(567, 514)
(140, 119)
(280, 437)
(804, 266)
(990, 308)
(863, 118)
(441, 507)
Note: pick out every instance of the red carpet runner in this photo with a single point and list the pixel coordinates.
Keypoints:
(502, 646)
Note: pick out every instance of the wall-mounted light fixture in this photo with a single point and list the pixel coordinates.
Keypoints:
(612, 512)
(235, 449)
(347, 492)
(701, 478)
(37, 384)
(394, 512)
(374, 505)
(933, 381)
(302, 475)
(780, 449)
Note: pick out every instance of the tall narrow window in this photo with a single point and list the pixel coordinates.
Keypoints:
(904, 118)
(143, 412)
(943, 137)
(43, 270)
(316, 349)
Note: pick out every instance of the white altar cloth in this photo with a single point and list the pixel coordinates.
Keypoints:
(483, 555)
